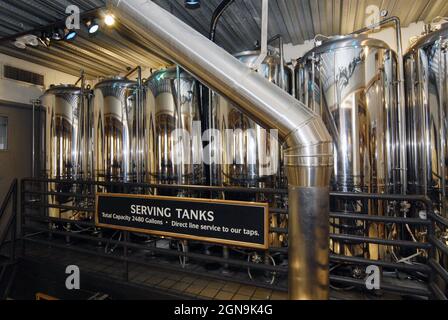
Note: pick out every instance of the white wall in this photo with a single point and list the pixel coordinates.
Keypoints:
(388, 35)
(18, 92)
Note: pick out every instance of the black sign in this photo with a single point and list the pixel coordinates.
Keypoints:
(227, 222)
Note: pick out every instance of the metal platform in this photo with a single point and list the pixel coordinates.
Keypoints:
(130, 260)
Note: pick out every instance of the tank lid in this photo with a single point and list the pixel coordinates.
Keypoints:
(65, 88)
(428, 39)
(115, 80)
(167, 73)
(349, 41)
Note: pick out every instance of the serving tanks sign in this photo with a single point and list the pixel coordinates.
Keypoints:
(236, 223)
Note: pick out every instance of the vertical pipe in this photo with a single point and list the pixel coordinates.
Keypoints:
(33, 142)
(442, 128)
(139, 133)
(282, 59)
(401, 92)
(264, 35)
(179, 121)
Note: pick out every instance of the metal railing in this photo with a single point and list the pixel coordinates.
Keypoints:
(8, 220)
(8, 237)
(411, 248)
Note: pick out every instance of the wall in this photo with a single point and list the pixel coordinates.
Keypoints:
(15, 97)
(15, 162)
(388, 35)
(18, 92)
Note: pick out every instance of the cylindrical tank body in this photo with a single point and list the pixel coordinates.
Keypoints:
(352, 82)
(65, 142)
(115, 137)
(426, 80)
(249, 155)
(66, 132)
(172, 128)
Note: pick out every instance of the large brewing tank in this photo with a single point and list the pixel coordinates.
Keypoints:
(66, 132)
(250, 156)
(351, 81)
(115, 136)
(426, 81)
(172, 128)
(66, 138)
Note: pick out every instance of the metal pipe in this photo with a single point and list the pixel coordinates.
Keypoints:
(264, 35)
(33, 142)
(139, 123)
(282, 58)
(442, 72)
(308, 145)
(401, 91)
(219, 11)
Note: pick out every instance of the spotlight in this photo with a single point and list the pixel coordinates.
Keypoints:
(57, 34)
(70, 35)
(92, 26)
(192, 4)
(109, 20)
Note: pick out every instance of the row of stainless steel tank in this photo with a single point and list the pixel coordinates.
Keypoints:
(99, 134)
(353, 82)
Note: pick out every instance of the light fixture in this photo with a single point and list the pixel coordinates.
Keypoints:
(45, 39)
(192, 4)
(70, 35)
(109, 20)
(57, 34)
(92, 26)
(26, 40)
(20, 44)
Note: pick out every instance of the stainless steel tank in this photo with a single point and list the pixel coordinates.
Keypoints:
(66, 137)
(249, 156)
(172, 128)
(351, 81)
(115, 136)
(426, 81)
(66, 132)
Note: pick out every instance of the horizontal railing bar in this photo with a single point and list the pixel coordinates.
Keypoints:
(57, 206)
(124, 185)
(384, 264)
(62, 194)
(397, 243)
(382, 219)
(383, 286)
(239, 263)
(50, 219)
(390, 197)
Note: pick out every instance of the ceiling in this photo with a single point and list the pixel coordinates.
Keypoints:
(297, 20)
(115, 50)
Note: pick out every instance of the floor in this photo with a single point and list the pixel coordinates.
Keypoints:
(188, 285)
(177, 283)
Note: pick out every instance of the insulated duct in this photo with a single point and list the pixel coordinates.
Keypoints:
(308, 145)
